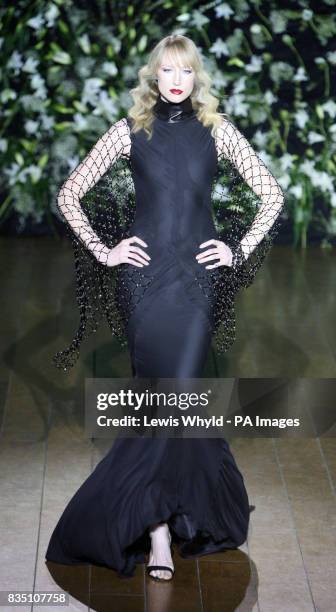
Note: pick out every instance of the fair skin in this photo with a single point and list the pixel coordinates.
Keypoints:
(171, 76)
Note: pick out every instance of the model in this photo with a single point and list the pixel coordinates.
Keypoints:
(172, 272)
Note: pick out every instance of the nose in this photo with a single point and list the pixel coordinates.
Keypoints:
(177, 77)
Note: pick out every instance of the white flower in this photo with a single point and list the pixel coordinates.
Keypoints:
(32, 103)
(31, 126)
(224, 10)
(281, 70)
(323, 181)
(15, 62)
(106, 106)
(198, 19)
(269, 97)
(333, 199)
(256, 28)
(278, 20)
(91, 91)
(38, 84)
(286, 161)
(110, 68)
(301, 118)
(300, 75)
(235, 105)
(12, 173)
(260, 139)
(284, 181)
(296, 190)
(330, 108)
(239, 85)
(219, 48)
(331, 57)
(307, 14)
(307, 167)
(314, 137)
(3, 145)
(81, 123)
(7, 94)
(36, 22)
(219, 79)
(51, 14)
(47, 122)
(30, 65)
(255, 64)
(65, 146)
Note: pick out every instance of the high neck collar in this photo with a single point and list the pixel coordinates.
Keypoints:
(173, 111)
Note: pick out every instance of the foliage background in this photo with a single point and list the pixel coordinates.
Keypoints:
(67, 68)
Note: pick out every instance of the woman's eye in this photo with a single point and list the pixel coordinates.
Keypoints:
(185, 70)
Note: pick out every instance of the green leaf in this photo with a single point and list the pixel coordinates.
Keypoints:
(319, 111)
(28, 145)
(62, 109)
(19, 158)
(63, 26)
(235, 61)
(43, 160)
(79, 106)
(63, 125)
(142, 43)
(62, 57)
(109, 51)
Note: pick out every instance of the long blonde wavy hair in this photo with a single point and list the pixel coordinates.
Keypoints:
(184, 52)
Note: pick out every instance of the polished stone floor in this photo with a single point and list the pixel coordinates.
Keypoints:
(285, 328)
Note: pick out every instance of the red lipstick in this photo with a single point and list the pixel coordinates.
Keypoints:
(176, 91)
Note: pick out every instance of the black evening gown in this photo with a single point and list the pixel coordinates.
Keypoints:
(193, 484)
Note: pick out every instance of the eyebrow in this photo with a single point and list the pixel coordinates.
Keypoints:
(170, 66)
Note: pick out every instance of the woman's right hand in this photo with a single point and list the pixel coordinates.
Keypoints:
(125, 252)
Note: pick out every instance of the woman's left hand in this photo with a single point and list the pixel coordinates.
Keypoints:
(219, 251)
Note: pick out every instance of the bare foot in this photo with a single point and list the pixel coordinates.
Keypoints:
(160, 553)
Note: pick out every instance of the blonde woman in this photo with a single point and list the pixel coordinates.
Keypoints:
(172, 269)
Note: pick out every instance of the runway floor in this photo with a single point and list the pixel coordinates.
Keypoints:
(285, 328)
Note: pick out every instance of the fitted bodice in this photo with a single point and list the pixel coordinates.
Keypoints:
(172, 174)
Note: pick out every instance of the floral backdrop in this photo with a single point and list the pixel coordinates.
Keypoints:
(67, 68)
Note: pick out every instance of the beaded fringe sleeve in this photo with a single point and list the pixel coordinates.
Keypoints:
(98, 203)
(247, 201)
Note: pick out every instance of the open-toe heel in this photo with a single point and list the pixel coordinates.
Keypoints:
(151, 568)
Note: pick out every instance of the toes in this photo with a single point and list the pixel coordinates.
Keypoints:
(163, 574)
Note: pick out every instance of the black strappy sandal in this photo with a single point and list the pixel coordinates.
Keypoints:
(151, 568)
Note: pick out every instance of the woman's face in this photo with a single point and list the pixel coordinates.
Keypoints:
(175, 82)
